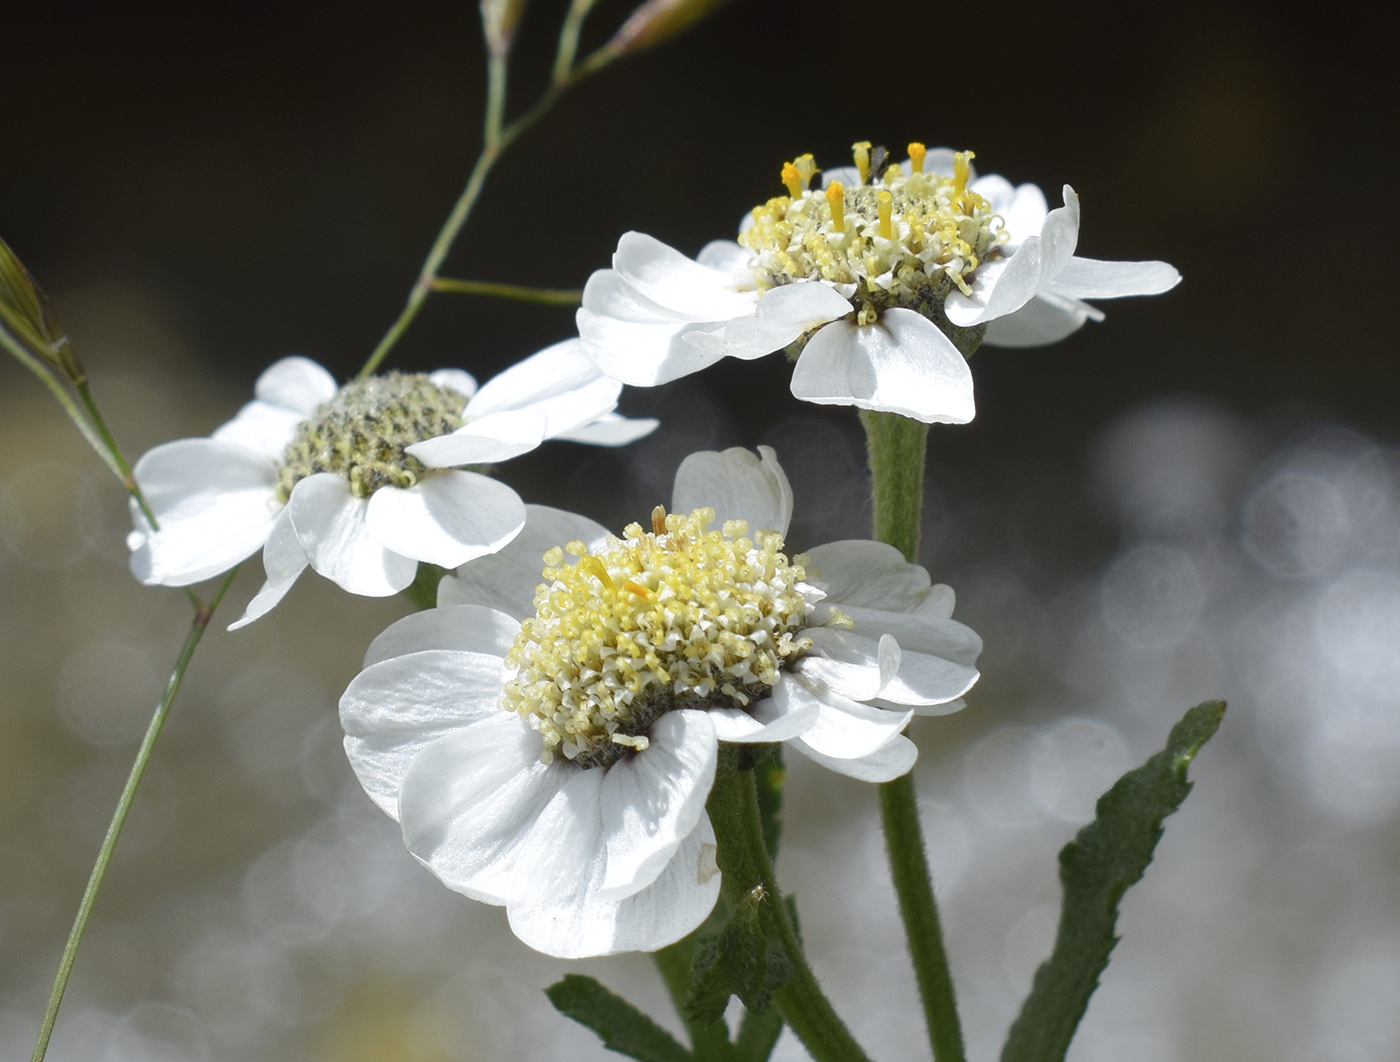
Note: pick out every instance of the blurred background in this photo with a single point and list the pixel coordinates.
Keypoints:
(1199, 497)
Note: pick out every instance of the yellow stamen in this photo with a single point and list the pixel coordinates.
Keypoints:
(917, 152)
(884, 203)
(658, 520)
(793, 179)
(862, 154)
(594, 567)
(807, 167)
(836, 198)
(962, 170)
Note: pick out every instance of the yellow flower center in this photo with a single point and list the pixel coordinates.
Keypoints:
(362, 433)
(677, 617)
(901, 237)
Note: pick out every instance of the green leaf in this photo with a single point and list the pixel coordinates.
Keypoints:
(740, 961)
(622, 1027)
(1096, 869)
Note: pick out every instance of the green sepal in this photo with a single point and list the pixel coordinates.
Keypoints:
(1096, 869)
(739, 961)
(621, 1026)
(25, 311)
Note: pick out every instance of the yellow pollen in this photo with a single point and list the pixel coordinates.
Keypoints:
(793, 179)
(836, 196)
(885, 203)
(684, 618)
(861, 151)
(917, 152)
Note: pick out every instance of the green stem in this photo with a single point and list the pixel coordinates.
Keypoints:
(896, 449)
(748, 879)
(123, 468)
(708, 1042)
(114, 830)
(547, 296)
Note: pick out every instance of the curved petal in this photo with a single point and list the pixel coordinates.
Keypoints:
(563, 916)
(726, 256)
(1047, 318)
(783, 315)
(892, 761)
(683, 286)
(849, 665)
(263, 427)
(1004, 286)
(215, 504)
(470, 801)
(394, 709)
(464, 383)
(330, 523)
(844, 729)
(920, 631)
(446, 518)
(1089, 278)
(900, 364)
(775, 718)
(462, 628)
(506, 580)
(495, 437)
(559, 381)
(610, 429)
(284, 560)
(1024, 215)
(653, 800)
(872, 574)
(295, 383)
(738, 485)
(630, 341)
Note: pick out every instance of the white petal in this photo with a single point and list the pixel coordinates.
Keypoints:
(611, 430)
(463, 628)
(296, 383)
(844, 729)
(920, 631)
(726, 256)
(446, 518)
(330, 522)
(738, 485)
(215, 504)
(563, 915)
(996, 190)
(470, 800)
(559, 381)
(849, 665)
(506, 580)
(670, 279)
(892, 761)
(283, 560)
(495, 437)
(1004, 286)
(464, 383)
(924, 679)
(849, 176)
(1089, 278)
(783, 315)
(653, 800)
(629, 341)
(396, 708)
(873, 574)
(775, 718)
(900, 364)
(263, 427)
(1024, 215)
(1047, 318)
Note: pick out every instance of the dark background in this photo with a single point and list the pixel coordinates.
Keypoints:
(274, 176)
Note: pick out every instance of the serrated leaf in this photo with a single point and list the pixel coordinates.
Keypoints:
(1096, 869)
(740, 961)
(621, 1026)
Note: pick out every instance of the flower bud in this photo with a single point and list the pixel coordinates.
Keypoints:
(656, 21)
(26, 313)
(499, 18)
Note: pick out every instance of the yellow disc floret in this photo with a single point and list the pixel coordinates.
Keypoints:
(904, 237)
(677, 617)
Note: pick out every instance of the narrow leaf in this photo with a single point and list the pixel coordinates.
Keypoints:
(1096, 869)
(622, 1027)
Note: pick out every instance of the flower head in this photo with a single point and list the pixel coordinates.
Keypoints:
(884, 276)
(361, 482)
(550, 746)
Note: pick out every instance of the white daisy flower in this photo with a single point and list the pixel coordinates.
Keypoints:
(362, 482)
(550, 747)
(874, 277)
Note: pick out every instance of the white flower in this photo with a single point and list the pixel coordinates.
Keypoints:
(870, 277)
(362, 482)
(550, 747)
